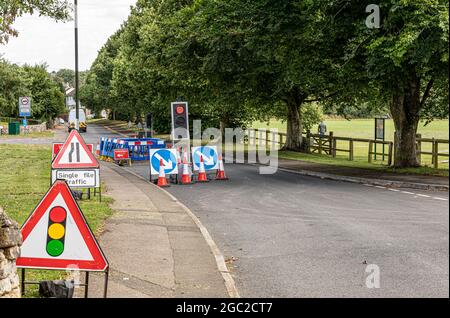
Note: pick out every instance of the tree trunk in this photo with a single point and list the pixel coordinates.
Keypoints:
(405, 107)
(224, 123)
(294, 140)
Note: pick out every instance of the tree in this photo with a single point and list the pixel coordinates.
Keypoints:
(47, 97)
(12, 9)
(66, 76)
(264, 52)
(13, 83)
(95, 89)
(403, 63)
(34, 81)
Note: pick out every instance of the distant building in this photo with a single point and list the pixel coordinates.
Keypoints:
(70, 98)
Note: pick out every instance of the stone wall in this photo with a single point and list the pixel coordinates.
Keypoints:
(10, 242)
(30, 128)
(34, 128)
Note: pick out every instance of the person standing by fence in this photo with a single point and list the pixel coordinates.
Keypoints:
(322, 128)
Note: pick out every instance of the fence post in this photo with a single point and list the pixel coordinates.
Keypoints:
(350, 154)
(334, 142)
(419, 148)
(391, 146)
(433, 145)
(370, 151)
(267, 137)
(308, 140)
(330, 142)
(320, 144)
(436, 154)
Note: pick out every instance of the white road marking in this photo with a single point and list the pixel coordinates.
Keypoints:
(416, 195)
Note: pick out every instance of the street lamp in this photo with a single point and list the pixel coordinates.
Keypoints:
(77, 100)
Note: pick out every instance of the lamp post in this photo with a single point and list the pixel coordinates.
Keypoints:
(77, 100)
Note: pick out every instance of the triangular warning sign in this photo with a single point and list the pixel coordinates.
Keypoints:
(57, 236)
(74, 154)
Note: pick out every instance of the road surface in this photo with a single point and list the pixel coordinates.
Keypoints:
(293, 236)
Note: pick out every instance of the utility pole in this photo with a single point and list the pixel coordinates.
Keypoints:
(77, 80)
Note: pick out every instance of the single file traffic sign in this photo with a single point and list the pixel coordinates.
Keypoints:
(57, 236)
(169, 159)
(210, 157)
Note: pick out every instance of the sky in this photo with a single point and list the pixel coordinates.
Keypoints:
(43, 40)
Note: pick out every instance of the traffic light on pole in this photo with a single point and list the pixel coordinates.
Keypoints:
(56, 232)
(180, 120)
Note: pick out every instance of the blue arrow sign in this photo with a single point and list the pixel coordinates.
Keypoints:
(210, 157)
(169, 158)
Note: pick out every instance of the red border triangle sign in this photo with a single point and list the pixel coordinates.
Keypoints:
(74, 154)
(57, 236)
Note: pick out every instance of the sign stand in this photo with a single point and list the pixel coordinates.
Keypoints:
(56, 236)
(24, 282)
(380, 125)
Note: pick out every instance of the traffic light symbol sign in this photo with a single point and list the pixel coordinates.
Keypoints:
(56, 232)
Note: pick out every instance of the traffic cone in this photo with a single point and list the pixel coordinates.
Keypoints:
(220, 175)
(162, 181)
(97, 151)
(201, 172)
(186, 176)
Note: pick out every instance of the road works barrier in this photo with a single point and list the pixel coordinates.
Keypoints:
(139, 149)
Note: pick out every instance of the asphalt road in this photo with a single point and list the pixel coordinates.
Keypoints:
(296, 236)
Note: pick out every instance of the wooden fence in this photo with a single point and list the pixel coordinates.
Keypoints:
(434, 153)
(328, 145)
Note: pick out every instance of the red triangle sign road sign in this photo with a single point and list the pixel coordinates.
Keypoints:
(57, 236)
(74, 154)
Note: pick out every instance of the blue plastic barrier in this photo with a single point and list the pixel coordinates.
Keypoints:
(139, 149)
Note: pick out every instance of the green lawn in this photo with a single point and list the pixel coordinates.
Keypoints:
(25, 179)
(364, 128)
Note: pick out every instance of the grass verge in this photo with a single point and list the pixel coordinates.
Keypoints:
(44, 134)
(25, 178)
(359, 163)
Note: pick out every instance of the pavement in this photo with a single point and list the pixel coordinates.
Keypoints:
(155, 249)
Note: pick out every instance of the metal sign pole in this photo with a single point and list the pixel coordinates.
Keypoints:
(86, 285)
(23, 282)
(77, 79)
(105, 291)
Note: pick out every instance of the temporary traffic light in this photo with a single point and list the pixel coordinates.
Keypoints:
(149, 121)
(56, 232)
(180, 121)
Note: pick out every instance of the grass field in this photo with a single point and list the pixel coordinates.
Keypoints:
(25, 179)
(364, 128)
